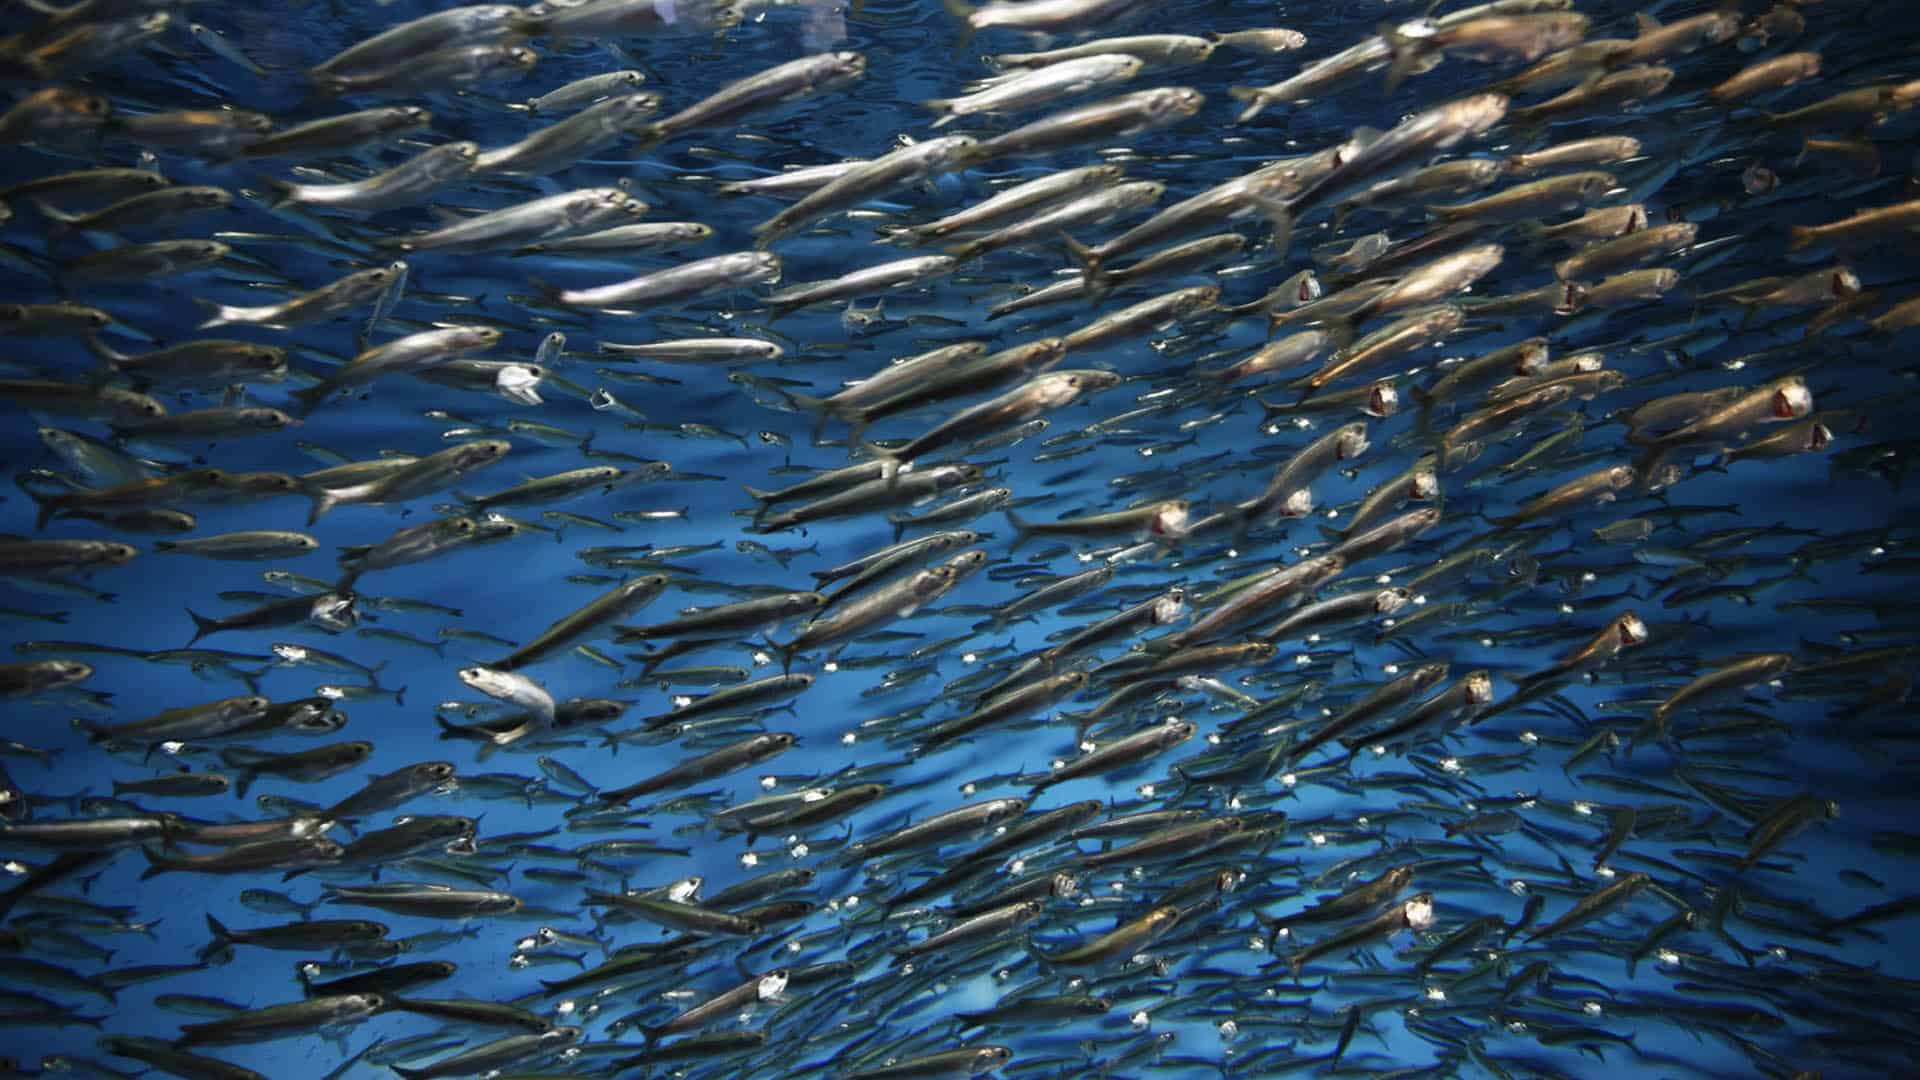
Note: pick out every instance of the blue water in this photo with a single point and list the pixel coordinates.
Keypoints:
(1829, 1000)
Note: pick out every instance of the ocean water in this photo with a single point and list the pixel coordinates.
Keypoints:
(1808, 555)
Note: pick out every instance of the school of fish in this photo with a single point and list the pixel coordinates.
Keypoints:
(1225, 582)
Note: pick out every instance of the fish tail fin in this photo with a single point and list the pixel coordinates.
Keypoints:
(222, 314)
(309, 398)
(1255, 98)
(1282, 220)
(1406, 54)
(105, 353)
(963, 11)
(889, 461)
(1090, 268)
(1800, 237)
(156, 864)
(280, 193)
(222, 941)
(323, 501)
(1022, 530)
(787, 653)
(47, 507)
(820, 407)
(202, 626)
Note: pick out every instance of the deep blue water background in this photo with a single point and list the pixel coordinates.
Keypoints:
(515, 588)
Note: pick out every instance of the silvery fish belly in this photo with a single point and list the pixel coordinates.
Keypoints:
(747, 539)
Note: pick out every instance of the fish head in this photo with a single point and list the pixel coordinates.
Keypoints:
(1056, 388)
(265, 419)
(1399, 877)
(630, 107)
(1757, 179)
(484, 451)
(1418, 911)
(847, 64)
(1169, 521)
(69, 671)
(1595, 185)
(1383, 400)
(1630, 629)
(320, 717)
(775, 740)
(988, 1058)
(1478, 687)
(1720, 26)
(1298, 504)
(949, 152)
(1168, 606)
(1388, 601)
(1791, 399)
(265, 483)
(1843, 283)
(1477, 113)
(1818, 436)
(1351, 442)
(1417, 29)
(1531, 356)
(1176, 731)
(1170, 102)
(1425, 484)
(965, 563)
(458, 155)
(1573, 296)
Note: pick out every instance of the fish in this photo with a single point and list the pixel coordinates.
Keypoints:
(1334, 455)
